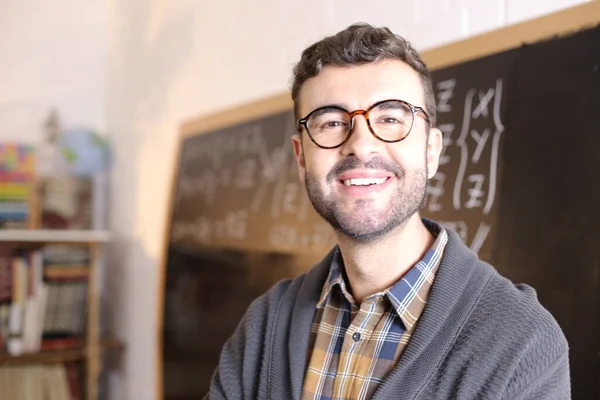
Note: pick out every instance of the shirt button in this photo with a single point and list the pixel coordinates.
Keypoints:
(356, 336)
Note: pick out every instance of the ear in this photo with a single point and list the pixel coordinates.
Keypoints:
(434, 150)
(299, 153)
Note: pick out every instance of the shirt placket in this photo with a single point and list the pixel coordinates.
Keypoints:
(356, 341)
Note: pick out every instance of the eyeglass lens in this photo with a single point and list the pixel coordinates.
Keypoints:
(390, 121)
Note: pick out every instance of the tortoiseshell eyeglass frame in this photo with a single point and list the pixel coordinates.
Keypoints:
(416, 110)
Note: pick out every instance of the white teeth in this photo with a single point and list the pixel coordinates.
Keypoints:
(364, 181)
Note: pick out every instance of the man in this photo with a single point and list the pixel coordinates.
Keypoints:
(401, 308)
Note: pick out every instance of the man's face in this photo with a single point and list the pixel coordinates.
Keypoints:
(396, 173)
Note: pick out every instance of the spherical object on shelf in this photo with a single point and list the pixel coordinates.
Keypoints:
(85, 152)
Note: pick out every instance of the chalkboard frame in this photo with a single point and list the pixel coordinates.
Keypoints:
(556, 24)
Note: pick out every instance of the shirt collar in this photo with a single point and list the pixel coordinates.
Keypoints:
(335, 278)
(401, 292)
(409, 295)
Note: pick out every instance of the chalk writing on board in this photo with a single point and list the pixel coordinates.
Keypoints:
(205, 230)
(471, 152)
(205, 186)
(463, 191)
(445, 91)
(436, 190)
(249, 168)
(447, 130)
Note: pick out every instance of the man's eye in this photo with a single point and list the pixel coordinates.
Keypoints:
(391, 121)
(333, 124)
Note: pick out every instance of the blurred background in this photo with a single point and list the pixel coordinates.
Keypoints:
(92, 101)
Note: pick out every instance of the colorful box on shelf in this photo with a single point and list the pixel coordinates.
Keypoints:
(17, 184)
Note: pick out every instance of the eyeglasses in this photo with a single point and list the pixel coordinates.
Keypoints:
(389, 120)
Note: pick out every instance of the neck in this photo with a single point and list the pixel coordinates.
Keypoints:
(375, 266)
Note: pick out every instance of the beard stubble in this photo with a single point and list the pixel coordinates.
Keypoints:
(362, 223)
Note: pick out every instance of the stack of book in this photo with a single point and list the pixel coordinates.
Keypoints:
(24, 301)
(66, 273)
(43, 298)
(17, 184)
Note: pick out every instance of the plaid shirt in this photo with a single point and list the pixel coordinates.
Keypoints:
(353, 348)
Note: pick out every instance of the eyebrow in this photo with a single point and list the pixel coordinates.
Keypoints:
(325, 108)
(391, 104)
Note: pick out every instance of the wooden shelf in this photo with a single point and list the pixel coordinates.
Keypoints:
(62, 236)
(55, 356)
(44, 357)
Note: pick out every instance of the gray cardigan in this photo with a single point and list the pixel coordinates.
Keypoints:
(479, 337)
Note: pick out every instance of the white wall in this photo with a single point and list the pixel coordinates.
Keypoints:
(53, 54)
(170, 61)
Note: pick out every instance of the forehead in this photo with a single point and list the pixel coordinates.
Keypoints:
(359, 86)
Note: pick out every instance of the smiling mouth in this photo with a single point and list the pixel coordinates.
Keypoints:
(364, 181)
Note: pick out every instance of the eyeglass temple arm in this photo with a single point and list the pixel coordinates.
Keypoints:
(421, 110)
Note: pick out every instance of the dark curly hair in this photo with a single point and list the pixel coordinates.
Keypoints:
(359, 44)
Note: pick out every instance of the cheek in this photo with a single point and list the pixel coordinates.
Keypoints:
(410, 158)
(319, 163)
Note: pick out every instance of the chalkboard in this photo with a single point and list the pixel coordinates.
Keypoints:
(517, 181)
(238, 188)
(471, 100)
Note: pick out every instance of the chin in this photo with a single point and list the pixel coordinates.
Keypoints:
(367, 226)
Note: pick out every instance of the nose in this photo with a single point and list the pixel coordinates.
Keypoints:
(362, 143)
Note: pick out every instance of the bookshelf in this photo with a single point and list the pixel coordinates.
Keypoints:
(56, 356)
(43, 357)
(53, 236)
(91, 351)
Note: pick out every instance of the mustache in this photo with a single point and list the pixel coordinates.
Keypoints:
(350, 163)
